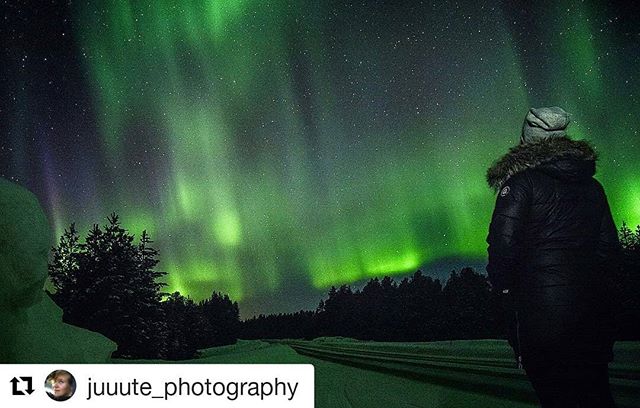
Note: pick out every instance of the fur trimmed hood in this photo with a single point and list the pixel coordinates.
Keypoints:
(537, 154)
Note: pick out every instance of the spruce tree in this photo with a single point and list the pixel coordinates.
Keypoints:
(626, 285)
(108, 284)
(184, 327)
(223, 318)
(63, 269)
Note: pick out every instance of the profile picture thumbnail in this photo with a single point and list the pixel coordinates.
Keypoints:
(60, 385)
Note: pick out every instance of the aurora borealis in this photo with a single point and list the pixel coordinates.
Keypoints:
(275, 148)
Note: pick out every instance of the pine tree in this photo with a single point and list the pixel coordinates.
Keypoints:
(65, 265)
(184, 327)
(107, 284)
(626, 285)
(421, 308)
(223, 317)
(627, 236)
(468, 300)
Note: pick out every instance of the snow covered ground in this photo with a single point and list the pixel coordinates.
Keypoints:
(476, 374)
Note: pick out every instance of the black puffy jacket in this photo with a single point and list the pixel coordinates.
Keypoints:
(551, 243)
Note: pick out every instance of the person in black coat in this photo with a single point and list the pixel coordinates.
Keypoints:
(551, 242)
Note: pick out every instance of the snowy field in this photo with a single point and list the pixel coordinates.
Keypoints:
(478, 374)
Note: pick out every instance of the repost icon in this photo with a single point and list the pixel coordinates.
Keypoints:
(22, 386)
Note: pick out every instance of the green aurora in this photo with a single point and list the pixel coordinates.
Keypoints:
(265, 142)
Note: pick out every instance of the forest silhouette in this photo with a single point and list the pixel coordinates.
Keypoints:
(108, 284)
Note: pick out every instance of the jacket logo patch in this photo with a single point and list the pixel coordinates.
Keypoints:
(505, 191)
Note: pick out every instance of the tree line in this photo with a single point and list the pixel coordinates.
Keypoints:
(420, 308)
(108, 284)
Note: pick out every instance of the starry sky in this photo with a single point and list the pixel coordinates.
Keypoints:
(275, 148)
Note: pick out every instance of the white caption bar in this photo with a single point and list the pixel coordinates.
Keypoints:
(157, 385)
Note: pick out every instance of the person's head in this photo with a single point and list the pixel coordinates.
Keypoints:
(63, 384)
(24, 246)
(544, 123)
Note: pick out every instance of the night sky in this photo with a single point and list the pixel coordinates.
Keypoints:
(275, 148)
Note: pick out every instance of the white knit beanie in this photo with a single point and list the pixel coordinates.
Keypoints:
(543, 123)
